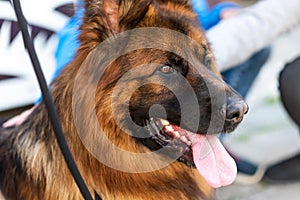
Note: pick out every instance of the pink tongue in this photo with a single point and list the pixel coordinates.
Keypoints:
(212, 161)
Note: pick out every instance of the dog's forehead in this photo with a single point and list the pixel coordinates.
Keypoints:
(181, 18)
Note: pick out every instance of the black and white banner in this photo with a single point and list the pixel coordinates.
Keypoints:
(18, 85)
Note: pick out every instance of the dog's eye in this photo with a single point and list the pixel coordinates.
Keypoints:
(208, 61)
(166, 69)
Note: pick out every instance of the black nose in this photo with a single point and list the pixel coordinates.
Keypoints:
(236, 111)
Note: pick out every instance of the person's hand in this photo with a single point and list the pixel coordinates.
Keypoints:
(19, 119)
(227, 13)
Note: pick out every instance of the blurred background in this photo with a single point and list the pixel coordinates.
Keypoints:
(267, 135)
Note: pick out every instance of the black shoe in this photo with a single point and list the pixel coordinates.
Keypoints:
(285, 171)
(247, 172)
(245, 167)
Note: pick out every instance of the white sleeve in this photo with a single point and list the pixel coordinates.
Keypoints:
(235, 39)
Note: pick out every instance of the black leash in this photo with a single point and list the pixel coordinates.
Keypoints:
(53, 116)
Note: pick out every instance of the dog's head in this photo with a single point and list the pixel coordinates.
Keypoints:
(163, 86)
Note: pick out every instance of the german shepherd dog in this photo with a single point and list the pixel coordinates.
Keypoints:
(142, 126)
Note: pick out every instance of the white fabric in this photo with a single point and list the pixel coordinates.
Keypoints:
(235, 39)
(14, 60)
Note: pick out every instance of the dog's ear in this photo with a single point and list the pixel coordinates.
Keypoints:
(104, 13)
(114, 16)
(181, 2)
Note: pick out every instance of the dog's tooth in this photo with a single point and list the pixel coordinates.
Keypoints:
(184, 139)
(169, 128)
(177, 134)
(164, 122)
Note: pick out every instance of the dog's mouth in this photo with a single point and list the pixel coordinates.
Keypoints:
(205, 152)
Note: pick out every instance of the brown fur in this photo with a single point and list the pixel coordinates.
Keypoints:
(31, 164)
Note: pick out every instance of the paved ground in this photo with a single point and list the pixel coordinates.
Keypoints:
(267, 135)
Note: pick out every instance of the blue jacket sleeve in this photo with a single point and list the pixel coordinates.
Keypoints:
(67, 43)
(210, 17)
